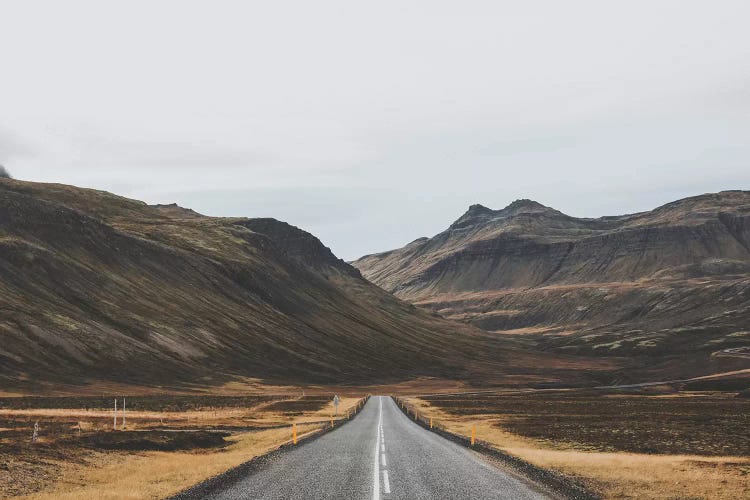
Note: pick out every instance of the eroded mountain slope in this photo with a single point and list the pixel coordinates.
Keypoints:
(96, 287)
(669, 289)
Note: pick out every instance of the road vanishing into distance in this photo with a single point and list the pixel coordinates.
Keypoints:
(381, 454)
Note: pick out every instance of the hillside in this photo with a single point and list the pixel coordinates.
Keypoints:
(96, 288)
(669, 289)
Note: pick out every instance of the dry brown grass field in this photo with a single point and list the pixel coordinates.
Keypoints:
(668, 446)
(171, 442)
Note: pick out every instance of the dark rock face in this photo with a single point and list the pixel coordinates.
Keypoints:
(298, 244)
(534, 270)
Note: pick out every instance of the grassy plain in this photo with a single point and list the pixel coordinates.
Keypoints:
(668, 446)
(171, 442)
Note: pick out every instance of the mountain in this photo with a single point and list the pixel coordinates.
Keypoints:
(100, 289)
(668, 289)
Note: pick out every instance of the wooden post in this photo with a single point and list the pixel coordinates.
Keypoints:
(123, 413)
(430, 422)
(114, 424)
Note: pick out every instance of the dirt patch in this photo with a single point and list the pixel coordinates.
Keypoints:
(154, 440)
(686, 424)
(145, 403)
(18, 476)
(724, 384)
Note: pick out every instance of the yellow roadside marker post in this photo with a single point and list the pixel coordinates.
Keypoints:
(430, 422)
(473, 434)
(331, 422)
(416, 415)
(294, 433)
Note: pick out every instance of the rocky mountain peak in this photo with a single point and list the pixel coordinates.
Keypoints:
(479, 213)
(474, 214)
(477, 209)
(525, 204)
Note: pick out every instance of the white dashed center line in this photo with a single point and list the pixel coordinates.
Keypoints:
(376, 468)
(380, 453)
(386, 484)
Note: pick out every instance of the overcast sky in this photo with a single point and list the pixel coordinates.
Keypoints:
(370, 124)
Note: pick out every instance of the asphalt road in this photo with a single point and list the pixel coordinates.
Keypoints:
(381, 454)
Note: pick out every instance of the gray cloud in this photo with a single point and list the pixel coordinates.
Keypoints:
(373, 124)
(12, 147)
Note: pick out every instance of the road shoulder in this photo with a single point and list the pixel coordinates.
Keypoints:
(546, 481)
(230, 477)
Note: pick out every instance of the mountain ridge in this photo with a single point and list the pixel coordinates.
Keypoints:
(99, 289)
(537, 272)
(482, 227)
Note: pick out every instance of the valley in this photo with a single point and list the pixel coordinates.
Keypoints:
(99, 292)
(605, 352)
